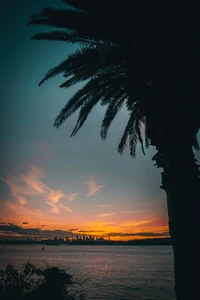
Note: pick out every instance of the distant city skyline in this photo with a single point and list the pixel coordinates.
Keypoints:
(51, 185)
(91, 240)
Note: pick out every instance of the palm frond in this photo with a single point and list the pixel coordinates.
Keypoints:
(73, 63)
(124, 137)
(85, 62)
(138, 123)
(146, 134)
(85, 26)
(85, 111)
(69, 36)
(60, 18)
(132, 139)
(113, 108)
(133, 132)
(102, 77)
(91, 89)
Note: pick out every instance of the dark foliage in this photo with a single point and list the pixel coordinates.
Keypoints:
(36, 283)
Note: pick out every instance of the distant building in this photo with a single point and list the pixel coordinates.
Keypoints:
(101, 239)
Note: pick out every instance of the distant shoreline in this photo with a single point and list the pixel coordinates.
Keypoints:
(145, 242)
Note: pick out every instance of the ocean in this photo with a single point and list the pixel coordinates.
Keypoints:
(107, 272)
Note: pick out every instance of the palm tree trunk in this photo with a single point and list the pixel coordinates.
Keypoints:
(181, 181)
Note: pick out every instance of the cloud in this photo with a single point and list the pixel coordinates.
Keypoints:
(71, 197)
(33, 179)
(94, 188)
(136, 211)
(18, 212)
(15, 230)
(90, 231)
(65, 207)
(31, 185)
(107, 214)
(54, 208)
(135, 223)
(54, 196)
(25, 223)
(12, 230)
(104, 205)
(142, 234)
(18, 193)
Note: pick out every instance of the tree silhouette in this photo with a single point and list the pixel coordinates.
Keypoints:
(144, 55)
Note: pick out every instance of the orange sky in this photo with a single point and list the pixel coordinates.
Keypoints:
(30, 200)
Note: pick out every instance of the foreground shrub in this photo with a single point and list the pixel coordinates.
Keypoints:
(36, 283)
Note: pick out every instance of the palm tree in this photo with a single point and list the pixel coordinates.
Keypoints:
(144, 55)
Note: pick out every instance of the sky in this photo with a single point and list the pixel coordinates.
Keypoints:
(51, 184)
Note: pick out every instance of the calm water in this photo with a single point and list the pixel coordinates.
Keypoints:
(110, 272)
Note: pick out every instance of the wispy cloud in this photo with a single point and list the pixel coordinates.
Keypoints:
(135, 223)
(94, 188)
(33, 179)
(54, 208)
(107, 215)
(65, 207)
(54, 196)
(18, 193)
(32, 184)
(136, 211)
(71, 197)
(104, 205)
(17, 212)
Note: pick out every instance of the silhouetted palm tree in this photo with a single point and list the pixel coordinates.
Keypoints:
(144, 55)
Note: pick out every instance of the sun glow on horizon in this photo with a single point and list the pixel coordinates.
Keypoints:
(33, 208)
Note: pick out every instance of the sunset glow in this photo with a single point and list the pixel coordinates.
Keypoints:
(32, 208)
(50, 184)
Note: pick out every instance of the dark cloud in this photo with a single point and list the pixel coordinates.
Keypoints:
(12, 229)
(6, 233)
(25, 223)
(15, 229)
(73, 229)
(142, 234)
(91, 231)
(12, 225)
